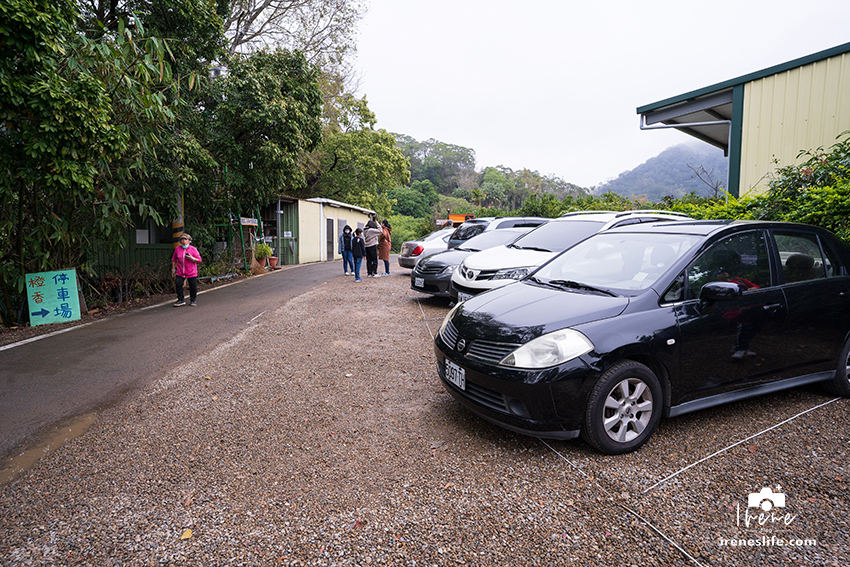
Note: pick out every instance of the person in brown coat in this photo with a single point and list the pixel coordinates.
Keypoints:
(385, 242)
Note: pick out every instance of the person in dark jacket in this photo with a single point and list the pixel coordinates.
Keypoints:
(345, 249)
(358, 250)
(371, 235)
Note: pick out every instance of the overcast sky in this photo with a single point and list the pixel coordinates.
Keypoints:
(553, 85)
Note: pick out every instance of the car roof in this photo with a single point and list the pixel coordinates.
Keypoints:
(611, 215)
(708, 227)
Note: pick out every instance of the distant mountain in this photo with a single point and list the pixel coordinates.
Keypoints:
(672, 172)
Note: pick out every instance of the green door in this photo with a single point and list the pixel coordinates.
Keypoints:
(287, 236)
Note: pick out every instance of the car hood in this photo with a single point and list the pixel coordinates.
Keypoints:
(502, 257)
(451, 257)
(521, 312)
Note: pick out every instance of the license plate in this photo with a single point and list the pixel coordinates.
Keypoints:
(463, 296)
(455, 374)
(419, 282)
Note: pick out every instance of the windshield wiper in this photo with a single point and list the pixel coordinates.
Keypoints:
(530, 248)
(577, 285)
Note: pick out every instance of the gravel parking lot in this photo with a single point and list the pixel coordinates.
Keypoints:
(322, 436)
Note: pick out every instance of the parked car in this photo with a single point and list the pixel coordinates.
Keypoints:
(474, 227)
(412, 250)
(503, 265)
(652, 320)
(433, 274)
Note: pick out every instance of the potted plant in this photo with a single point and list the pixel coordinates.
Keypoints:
(262, 252)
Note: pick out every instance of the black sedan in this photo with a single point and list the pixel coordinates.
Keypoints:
(641, 322)
(433, 274)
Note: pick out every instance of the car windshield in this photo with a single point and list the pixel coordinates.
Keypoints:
(468, 230)
(490, 240)
(617, 261)
(557, 236)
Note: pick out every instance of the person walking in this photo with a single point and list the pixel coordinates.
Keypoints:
(385, 242)
(358, 250)
(345, 249)
(184, 267)
(370, 236)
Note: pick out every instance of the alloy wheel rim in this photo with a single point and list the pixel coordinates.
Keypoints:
(627, 410)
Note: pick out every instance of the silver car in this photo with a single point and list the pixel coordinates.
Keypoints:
(412, 250)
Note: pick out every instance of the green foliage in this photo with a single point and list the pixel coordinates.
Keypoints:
(440, 163)
(261, 116)
(79, 115)
(456, 206)
(418, 200)
(546, 205)
(461, 193)
(355, 163)
(262, 251)
(828, 207)
(408, 228)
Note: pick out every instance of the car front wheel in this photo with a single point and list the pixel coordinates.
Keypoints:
(840, 385)
(623, 408)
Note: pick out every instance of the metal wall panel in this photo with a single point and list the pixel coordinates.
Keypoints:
(800, 109)
(310, 226)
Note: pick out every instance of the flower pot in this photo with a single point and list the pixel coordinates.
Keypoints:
(273, 262)
(261, 262)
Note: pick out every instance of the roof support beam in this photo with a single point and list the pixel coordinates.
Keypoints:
(690, 107)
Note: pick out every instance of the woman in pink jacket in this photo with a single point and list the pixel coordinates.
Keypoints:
(184, 267)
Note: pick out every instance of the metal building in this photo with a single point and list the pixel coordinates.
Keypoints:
(763, 120)
(307, 230)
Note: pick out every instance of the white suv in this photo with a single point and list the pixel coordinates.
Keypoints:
(474, 227)
(502, 265)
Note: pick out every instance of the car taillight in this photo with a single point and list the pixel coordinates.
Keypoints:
(417, 251)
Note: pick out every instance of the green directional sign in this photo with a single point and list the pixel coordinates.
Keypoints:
(53, 297)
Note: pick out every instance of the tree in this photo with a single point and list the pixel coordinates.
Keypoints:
(79, 114)
(259, 119)
(444, 165)
(416, 201)
(356, 163)
(322, 29)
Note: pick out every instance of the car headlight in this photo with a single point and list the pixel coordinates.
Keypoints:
(549, 350)
(447, 318)
(448, 270)
(511, 274)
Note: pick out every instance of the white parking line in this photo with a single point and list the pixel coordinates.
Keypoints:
(677, 473)
(626, 508)
(424, 318)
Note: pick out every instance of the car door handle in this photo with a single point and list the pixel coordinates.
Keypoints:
(773, 307)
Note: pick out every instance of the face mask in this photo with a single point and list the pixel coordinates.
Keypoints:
(347, 232)
(184, 246)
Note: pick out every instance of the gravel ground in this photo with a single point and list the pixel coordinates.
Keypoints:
(322, 436)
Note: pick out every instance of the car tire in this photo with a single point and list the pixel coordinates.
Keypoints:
(623, 408)
(840, 385)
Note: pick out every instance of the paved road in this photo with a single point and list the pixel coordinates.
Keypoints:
(66, 375)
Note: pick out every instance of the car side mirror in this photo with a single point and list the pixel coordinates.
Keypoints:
(720, 291)
(713, 292)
